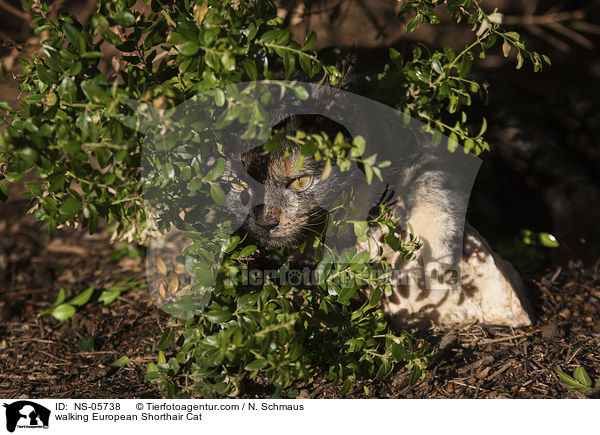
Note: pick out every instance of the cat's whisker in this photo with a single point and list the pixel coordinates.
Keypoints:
(310, 230)
(317, 212)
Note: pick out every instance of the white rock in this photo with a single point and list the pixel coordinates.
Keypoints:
(490, 290)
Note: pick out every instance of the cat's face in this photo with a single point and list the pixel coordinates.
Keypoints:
(276, 202)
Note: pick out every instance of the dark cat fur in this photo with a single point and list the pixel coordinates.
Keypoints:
(268, 210)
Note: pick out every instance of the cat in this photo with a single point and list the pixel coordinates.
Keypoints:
(278, 202)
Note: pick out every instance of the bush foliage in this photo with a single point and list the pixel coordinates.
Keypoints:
(68, 135)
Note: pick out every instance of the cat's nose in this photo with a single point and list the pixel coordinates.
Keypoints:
(266, 218)
(268, 225)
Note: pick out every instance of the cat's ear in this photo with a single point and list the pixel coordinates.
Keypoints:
(144, 117)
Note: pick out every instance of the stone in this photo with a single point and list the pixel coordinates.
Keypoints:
(490, 290)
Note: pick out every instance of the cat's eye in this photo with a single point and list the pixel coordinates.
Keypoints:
(301, 183)
(238, 185)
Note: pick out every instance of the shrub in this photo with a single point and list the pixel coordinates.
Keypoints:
(68, 133)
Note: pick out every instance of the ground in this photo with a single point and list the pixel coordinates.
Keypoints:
(40, 357)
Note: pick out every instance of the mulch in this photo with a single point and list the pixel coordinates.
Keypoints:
(40, 356)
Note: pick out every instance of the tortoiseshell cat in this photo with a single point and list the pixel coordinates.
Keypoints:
(276, 203)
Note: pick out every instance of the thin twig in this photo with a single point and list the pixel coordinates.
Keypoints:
(512, 337)
(522, 20)
(586, 27)
(64, 361)
(10, 8)
(571, 34)
(548, 37)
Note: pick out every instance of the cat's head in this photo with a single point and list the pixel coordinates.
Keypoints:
(276, 198)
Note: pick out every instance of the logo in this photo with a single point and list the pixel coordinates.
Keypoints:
(25, 414)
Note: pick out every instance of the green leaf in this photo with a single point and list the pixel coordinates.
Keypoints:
(3, 191)
(152, 372)
(5, 106)
(228, 61)
(75, 36)
(394, 54)
(86, 344)
(68, 90)
(123, 361)
(70, 208)
(309, 42)
(14, 177)
(361, 257)
(45, 75)
(83, 297)
(93, 91)
(188, 48)
(548, 240)
(465, 66)
(76, 68)
(452, 142)
(449, 53)
(247, 250)
(437, 66)
(581, 375)
(231, 243)
(218, 316)
(41, 28)
(125, 19)
(301, 92)
(322, 269)
(374, 297)
(483, 128)
(384, 369)
(258, 364)
(166, 340)
(216, 171)
(275, 36)
(92, 55)
(415, 376)
(88, 128)
(412, 25)
(546, 59)
(109, 295)
(60, 297)
(251, 70)
(360, 228)
(468, 146)
(217, 194)
(513, 36)
(62, 311)
(219, 97)
(359, 146)
(345, 387)
(569, 382)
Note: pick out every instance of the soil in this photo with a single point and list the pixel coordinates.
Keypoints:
(41, 357)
